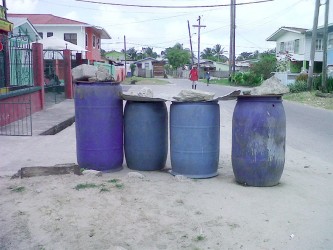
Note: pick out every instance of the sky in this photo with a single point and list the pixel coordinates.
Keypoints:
(160, 28)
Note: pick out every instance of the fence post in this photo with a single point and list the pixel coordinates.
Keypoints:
(38, 69)
(68, 74)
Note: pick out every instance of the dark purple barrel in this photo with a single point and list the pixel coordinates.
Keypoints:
(195, 138)
(99, 125)
(146, 135)
(258, 140)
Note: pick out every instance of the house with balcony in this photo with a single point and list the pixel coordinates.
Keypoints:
(293, 46)
(82, 34)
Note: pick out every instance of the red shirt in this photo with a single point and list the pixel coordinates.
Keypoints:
(194, 74)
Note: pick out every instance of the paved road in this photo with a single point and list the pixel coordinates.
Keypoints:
(309, 129)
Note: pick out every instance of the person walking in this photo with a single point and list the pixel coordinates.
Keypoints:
(207, 77)
(194, 76)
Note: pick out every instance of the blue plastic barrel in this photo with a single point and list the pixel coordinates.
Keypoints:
(195, 138)
(145, 135)
(258, 140)
(99, 125)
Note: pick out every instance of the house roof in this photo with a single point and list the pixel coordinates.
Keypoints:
(51, 20)
(41, 19)
(283, 30)
(320, 29)
(24, 27)
(146, 59)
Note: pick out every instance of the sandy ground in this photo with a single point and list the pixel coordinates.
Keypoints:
(160, 211)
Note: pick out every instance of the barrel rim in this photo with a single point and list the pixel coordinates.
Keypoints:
(194, 102)
(95, 82)
(259, 96)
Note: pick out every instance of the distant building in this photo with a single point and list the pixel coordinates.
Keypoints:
(294, 44)
(82, 34)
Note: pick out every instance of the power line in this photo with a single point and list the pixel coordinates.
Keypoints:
(169, 6)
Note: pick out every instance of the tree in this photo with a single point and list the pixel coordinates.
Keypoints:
(244, 56)
(177, 56)
(218, 51)
(207, 53)
(150, 53)
(132, 53)
(264, 66)
(132, 66)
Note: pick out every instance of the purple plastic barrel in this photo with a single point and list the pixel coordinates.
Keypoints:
(99, 125)
(258, 140)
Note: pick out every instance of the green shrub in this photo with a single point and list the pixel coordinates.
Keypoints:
(302, 77)
(296, 67)
(330, 84)
(316, 82)
(237, 78)
(247, 79)
(298, 86)
(264, 66)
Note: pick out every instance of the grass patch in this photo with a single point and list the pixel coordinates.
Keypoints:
(85, 186)
(119, 185)
(144, 81)
(200, 238)
(113, 181)
(311, 99)
(18, 189)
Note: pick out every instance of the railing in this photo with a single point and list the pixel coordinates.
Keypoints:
(15, 94)
(15, 116)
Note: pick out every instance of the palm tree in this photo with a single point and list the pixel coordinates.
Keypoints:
(207, 53)
(218, 51)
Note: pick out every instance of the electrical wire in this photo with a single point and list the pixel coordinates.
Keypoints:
(171, 7)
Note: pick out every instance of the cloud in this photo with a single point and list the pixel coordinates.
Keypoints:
(22, 6)
(73, 15)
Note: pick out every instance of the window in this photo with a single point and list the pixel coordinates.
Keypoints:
(319, 44)
(94, 41)
(40, 34)
(296, 46)
(289, 46)
(282, 47)
(70, 37)
(49, 34)
(330, 41)
(86, 39)
(98, 43)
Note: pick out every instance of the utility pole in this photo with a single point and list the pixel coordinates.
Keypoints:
(189, 33)
(232, 37)
(313, 44)
(324, 71)
(125, 56)
(199, 27)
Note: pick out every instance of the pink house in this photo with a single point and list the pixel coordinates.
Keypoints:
(82, 34)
